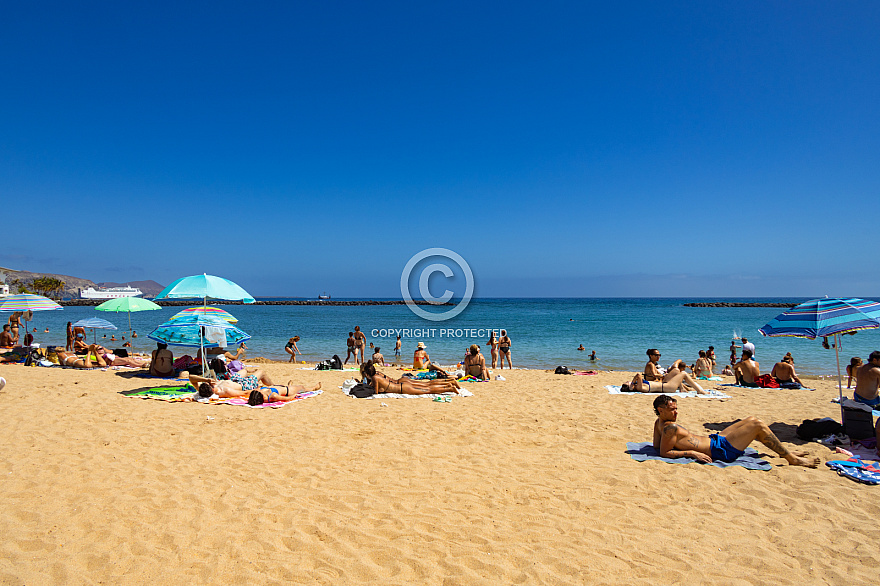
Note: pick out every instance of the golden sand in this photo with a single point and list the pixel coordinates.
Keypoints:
(526, 482)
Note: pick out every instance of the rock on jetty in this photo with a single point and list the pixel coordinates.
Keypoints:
(193, 302)
(734, 304)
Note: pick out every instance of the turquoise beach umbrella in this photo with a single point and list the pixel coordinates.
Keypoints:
(204, 286)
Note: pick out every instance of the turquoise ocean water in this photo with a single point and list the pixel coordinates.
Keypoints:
(545, 332)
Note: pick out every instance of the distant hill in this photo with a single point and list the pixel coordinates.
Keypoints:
(72, 285)
(149, 288)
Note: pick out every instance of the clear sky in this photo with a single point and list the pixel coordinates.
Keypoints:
(562, 148)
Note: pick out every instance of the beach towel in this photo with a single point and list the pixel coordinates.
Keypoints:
(146, 374)
(641, 451)
(184, 392)
(349, 384)
(712, 378)
(712, 393)
(855, 469)
(753, 388)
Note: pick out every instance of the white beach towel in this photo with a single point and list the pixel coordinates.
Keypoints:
(712, 393)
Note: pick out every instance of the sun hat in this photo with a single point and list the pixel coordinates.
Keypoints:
(421, 345)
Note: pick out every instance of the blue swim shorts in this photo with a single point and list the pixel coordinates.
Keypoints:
(872, 402)
(722, 450)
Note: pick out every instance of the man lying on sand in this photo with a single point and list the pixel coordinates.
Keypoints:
(674, 381)
(675, 441)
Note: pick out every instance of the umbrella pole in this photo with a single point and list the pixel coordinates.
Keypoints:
(839, 379)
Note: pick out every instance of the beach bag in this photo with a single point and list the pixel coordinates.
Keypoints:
(812, 429)
(336, 362)
(235, 366)
(183, 362)
(121, 352)
(858, 423)
(562, 370)
(361, 391)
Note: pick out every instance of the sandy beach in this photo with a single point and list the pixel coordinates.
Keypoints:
(525, 482)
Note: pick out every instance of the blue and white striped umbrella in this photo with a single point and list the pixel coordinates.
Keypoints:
(190, 331)
(825, 317)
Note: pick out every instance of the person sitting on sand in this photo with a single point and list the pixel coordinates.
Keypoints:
(421, 360)
(852, 370)
(377, 357)
(80, 346)
(652, 371)
(475, 364)
(747, 370)
(868, 381)
(85, 361)
(675, 441)
(405, 386)
(710, 354)
(292, 349)
(727, 371)
(677, 381)
(114, 360)
(162, 364)
(250, 378)
(703, 367)
(783, 371)
(6, 339)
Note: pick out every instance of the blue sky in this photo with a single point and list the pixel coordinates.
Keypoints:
(562, 148)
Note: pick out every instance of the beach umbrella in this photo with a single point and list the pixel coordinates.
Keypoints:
(205, 286)
(27, 303)
(128, 304)
(199, 331)
(819, 318)
(205, 310)
(95, 323)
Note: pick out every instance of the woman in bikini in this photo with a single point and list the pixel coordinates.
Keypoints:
(680, 381)
(504, 349)
(82, 361)
(70, 337)
(405, 386)
(291, 348)
(475, 364)
(493, 345)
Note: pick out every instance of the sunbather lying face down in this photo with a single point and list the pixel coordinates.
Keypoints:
(674, 381)
(405, 386)
(675, 441)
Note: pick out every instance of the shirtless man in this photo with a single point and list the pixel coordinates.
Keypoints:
(868, 381)
(675, 441)
(420, 357)
(6, 340)
(351, 350)
(162, 364)
(746, 370)
(80, 346)
(783, 371)
(360, 342)
(397, 346)
(652, 371)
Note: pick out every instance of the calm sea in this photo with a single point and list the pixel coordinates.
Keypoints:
(545, 332)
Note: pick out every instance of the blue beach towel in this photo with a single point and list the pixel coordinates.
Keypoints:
(641, 451)
(856, 470)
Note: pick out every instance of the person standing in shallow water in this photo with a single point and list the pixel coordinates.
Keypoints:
(493, 348)
(351, 348)
(504, 344)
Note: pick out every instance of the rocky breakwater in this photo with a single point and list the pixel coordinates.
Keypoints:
(734, 304)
